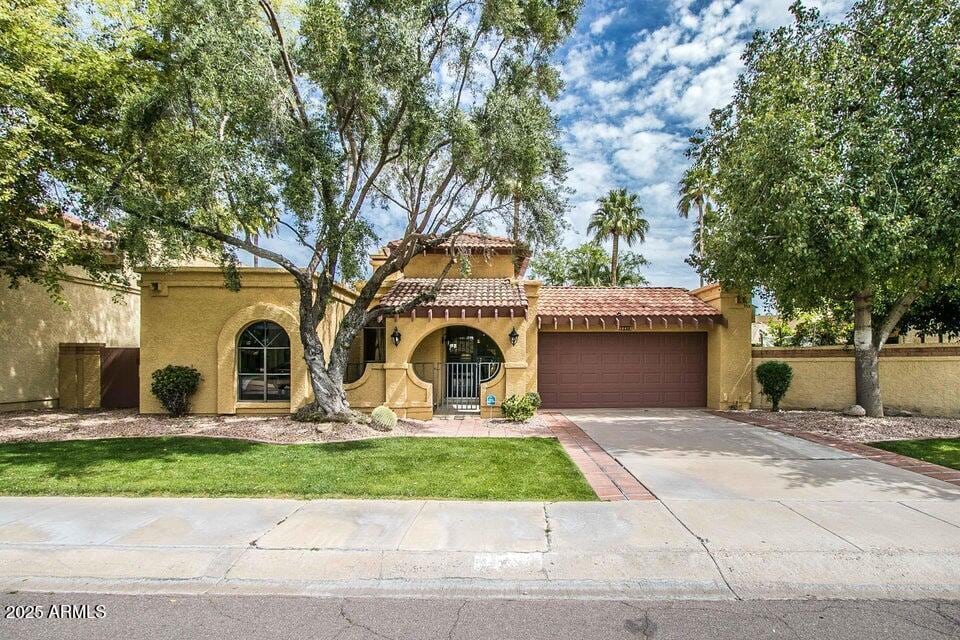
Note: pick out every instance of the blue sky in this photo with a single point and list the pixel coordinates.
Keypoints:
(640, 77)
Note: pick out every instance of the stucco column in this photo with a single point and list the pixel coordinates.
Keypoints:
(729, 358)
(395, 365)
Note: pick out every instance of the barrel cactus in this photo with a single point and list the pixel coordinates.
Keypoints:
(383, 418)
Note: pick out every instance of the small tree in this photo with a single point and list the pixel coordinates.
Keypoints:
(774, 377)
(694, 192)
(781, 333)
(619, 215)
(173, 386)
(835, 171)
(589, 266)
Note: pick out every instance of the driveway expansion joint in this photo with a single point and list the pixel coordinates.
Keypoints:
(706, 550)
(824, 527)
(253, 543)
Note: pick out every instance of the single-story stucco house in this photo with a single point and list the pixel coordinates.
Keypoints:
(489, 334)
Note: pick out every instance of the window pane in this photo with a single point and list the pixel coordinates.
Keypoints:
(278, 361)
(251, 388)
(253, 335)
(278, 387)
(275, 336)
(373, 343)
(250, 361)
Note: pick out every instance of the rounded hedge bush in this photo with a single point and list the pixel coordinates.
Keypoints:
(520, 408)
(173, 385)
(534, 399)
(774, 377)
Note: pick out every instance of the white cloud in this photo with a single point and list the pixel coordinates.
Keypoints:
(709, 89)
(589, 178)
(646, 155)
(607, 88)
(601, 23)
(579, 63)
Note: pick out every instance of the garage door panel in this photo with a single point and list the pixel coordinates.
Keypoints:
(643, 369)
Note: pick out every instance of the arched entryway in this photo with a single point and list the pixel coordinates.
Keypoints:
(457, 360)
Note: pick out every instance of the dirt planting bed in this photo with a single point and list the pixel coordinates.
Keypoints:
(47, 425)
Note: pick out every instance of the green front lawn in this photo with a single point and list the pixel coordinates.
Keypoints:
(942, 451)
(454, 468)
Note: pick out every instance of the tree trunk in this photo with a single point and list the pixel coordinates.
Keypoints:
(516, 219)
(613, 260)
(866, 357)
(700, 235)
(329, 398)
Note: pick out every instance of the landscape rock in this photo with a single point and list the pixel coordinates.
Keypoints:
(896, 412)
(855, 411)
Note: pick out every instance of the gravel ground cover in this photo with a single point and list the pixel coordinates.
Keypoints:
(55, 425)
(868, 429)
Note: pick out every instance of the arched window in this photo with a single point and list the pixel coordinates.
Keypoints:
(263, 363)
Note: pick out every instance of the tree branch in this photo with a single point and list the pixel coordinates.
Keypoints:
(896, 313)
(285, 58)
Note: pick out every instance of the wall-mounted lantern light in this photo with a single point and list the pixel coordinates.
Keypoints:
(395, 336)
(513, 336)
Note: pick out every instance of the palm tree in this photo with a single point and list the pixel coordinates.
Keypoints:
(694, 191)
(618, 216)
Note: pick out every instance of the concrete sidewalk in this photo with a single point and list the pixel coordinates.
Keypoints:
(704, 549)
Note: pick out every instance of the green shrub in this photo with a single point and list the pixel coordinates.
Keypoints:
(173, 385)
(774, 377)
(383, 418)
(534, 399)
(520, 408)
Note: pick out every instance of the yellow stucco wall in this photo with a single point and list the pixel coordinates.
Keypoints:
(729, 355)
(926, 384)
(189, 318)
(34, 326)
(431, 265)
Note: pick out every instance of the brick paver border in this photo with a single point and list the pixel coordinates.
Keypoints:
(928, 469)
(608, 478)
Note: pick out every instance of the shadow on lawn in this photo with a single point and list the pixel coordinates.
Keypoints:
(78, 457)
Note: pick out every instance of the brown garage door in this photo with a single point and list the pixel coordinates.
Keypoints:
(622, 369)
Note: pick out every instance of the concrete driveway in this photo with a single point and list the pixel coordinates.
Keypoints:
(695, 455)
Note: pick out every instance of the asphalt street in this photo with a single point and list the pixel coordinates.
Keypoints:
(188, 617)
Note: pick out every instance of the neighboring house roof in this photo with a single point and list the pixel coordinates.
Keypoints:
(461, 296)
(641, 304)
(472, 242)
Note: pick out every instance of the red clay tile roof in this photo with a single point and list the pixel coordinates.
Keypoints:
(473, 242)
(638, 302)
(461, 293)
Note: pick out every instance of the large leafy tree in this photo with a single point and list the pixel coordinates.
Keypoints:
(618, 216)
(309, 125)
(589, 266)
(836, 168)
(61, 79)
